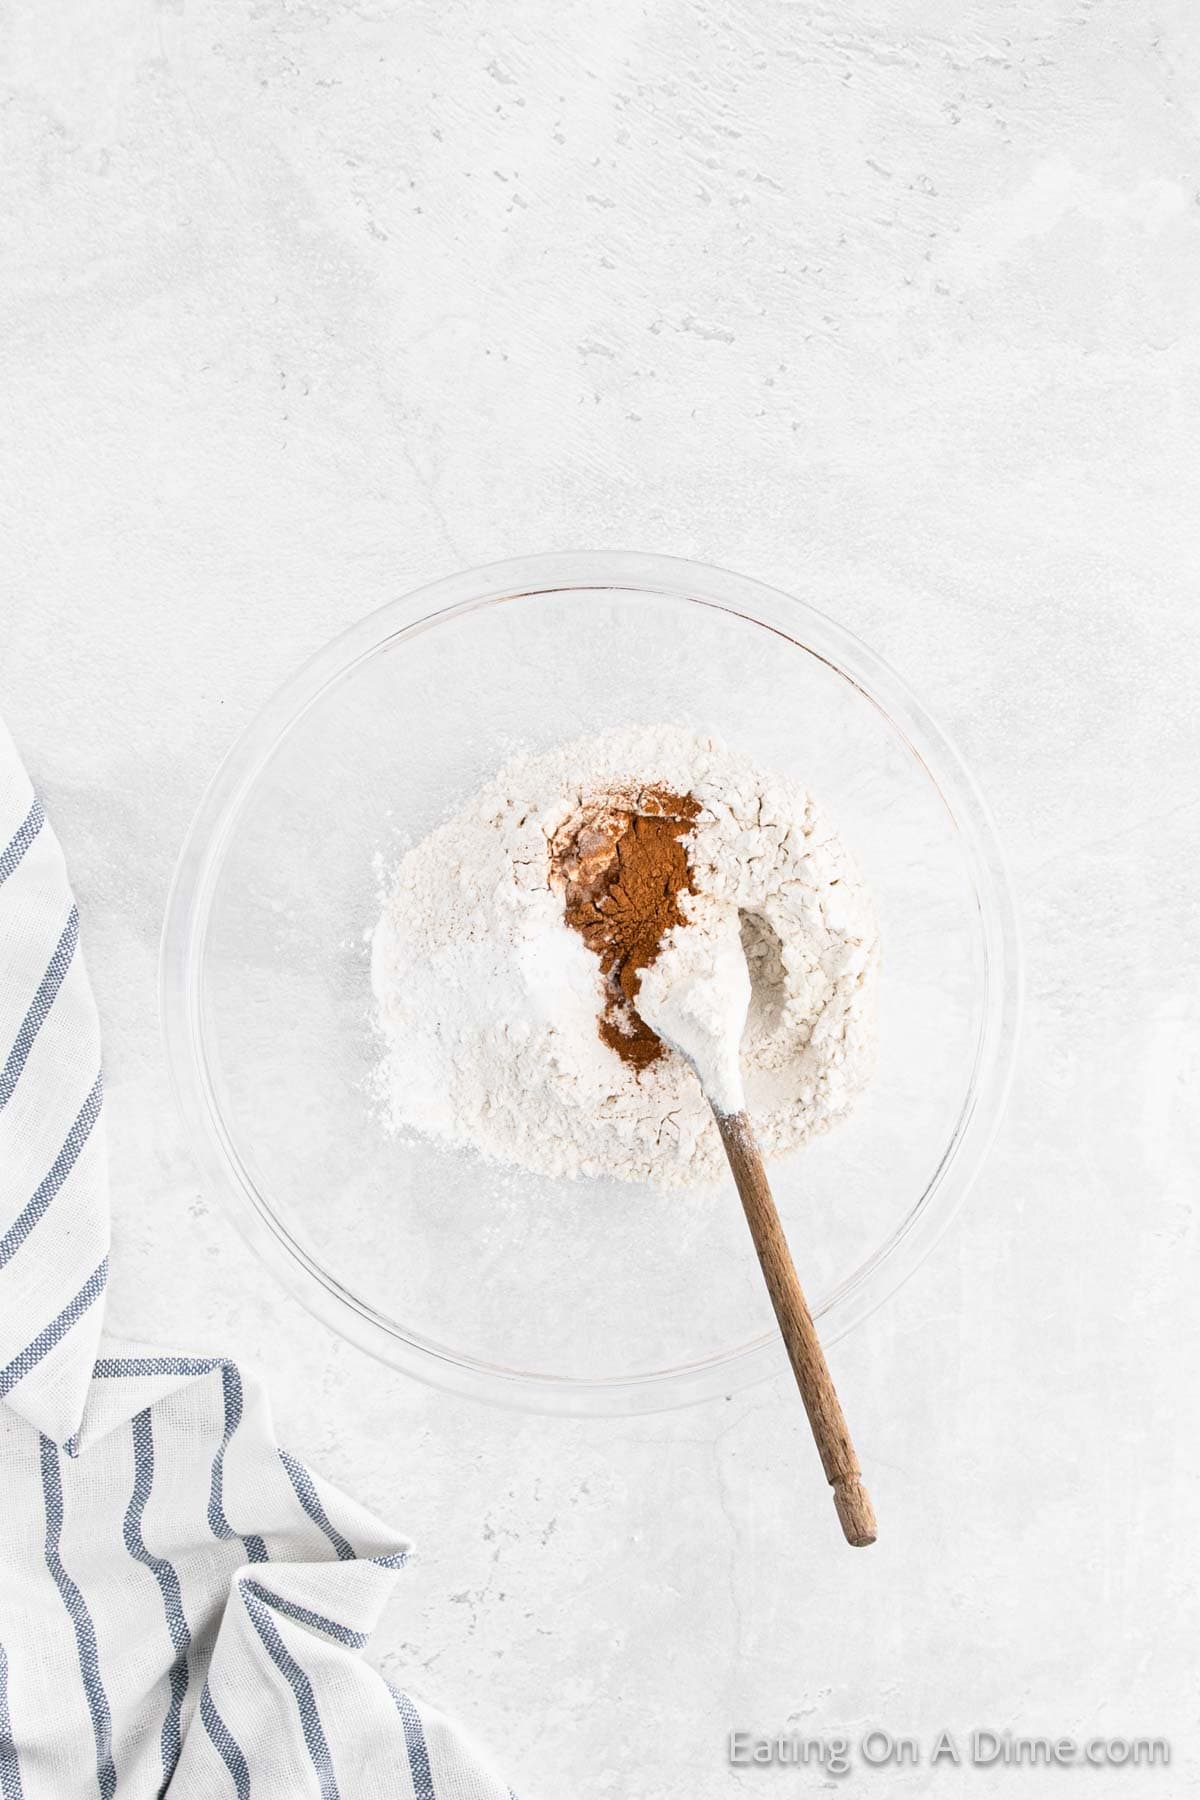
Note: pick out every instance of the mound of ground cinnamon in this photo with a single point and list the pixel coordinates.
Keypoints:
(622, 865)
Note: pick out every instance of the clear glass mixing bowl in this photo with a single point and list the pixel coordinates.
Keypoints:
(587, 1296)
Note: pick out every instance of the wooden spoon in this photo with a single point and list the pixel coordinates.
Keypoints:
(695, 996)
(817, 1391)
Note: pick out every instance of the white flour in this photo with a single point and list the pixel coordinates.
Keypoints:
(488, 1001)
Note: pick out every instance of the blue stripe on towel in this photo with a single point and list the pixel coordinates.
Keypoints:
(52, 1181)
(301, 1686)
(81, 1621)
(39, 1006)
(56, 1330)
(304, 1615)
(10, 1766)
(168, 1582)
(418, 1749)
(310, 1500)
(231, 1387)
(19, 843)
(121, 1368)
(225, 1745)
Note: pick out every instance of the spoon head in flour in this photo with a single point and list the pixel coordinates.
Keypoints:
(695, 995)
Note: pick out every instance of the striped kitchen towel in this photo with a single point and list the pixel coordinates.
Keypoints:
(183, 1605)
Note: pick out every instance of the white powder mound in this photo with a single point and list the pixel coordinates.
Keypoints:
(488, 1001)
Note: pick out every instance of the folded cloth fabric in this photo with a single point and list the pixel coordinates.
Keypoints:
(183, 1605)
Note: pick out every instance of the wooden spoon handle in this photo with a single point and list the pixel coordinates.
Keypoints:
(817, 1391)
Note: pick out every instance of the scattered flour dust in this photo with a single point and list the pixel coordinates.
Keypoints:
(488, 1001)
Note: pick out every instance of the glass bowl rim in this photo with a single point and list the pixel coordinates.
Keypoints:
(181, 976)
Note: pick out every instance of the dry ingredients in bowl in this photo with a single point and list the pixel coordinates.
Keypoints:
(513, 940)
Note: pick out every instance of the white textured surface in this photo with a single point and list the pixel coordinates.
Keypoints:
(895, 306)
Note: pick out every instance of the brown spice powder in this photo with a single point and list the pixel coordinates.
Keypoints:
(622, 865)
